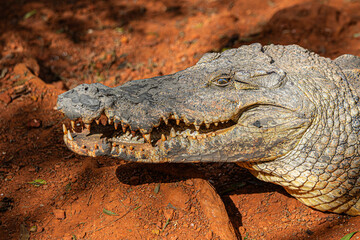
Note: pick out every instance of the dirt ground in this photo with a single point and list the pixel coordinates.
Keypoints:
(50, 46)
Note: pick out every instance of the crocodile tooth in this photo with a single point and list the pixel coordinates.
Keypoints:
(116, 125)
(163, 138)
(172, 132)
(147, 137)
(69, 136)
(186, 121)
(207, 125)
(97, 121)
(87, 125)
(166, 120)
(188, 132)
(216, 124)
(72, 124)
(65, 129)
(197, 127)
(177, 121)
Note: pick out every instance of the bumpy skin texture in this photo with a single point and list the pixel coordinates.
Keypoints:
(288, 115)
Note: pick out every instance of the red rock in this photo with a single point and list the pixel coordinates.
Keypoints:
(169, 213)
(34, 123)
(59, 214)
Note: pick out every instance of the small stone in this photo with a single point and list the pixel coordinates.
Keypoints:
(159, 224)
(209, 235)
(189, 182)
(33, 229)
(127, 202)
(9, 177)
(74, 198)
(156, 231)
(59, 214)
(242, 231)
(34, 123)
(169, 213)
(124, 39)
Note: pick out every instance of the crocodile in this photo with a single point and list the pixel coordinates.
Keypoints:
(285, 113)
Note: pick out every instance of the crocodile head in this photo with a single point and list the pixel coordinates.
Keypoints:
(236, 106)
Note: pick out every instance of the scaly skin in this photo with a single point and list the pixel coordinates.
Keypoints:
(288, 115)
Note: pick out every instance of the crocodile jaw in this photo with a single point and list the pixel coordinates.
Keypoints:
(109, 138)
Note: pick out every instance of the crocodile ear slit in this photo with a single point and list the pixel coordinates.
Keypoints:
(261, 78)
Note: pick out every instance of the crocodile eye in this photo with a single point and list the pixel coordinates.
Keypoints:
(222, 81)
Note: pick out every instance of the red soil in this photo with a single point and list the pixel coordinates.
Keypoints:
(61, 44)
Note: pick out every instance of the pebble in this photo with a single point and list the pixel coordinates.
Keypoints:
(59, 214)
(209, 235)
(189, 182)
(34, 123)
(169, 213)
(242, 231)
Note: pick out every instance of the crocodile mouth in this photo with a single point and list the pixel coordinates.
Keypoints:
(104, 135)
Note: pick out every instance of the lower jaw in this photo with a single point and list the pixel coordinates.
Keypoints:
(103, 147)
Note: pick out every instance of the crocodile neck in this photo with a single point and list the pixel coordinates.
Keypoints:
(305, 171)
